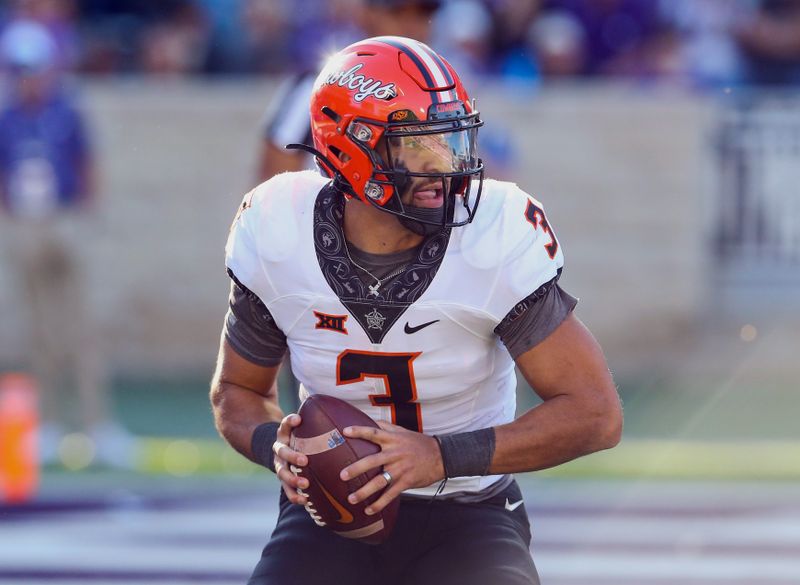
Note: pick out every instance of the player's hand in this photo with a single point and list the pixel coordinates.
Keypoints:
(285, 458)
(412, 459)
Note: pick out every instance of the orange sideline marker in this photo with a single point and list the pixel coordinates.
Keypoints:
(19, 422)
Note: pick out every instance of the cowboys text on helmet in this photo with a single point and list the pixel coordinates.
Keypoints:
(366, 86)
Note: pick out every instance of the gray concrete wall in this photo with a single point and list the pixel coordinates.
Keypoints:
(621, 172)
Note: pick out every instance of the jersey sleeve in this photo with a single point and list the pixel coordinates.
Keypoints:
(533, 319)
(266, 235)
(265, 230)
(250, 328)
(241, 251)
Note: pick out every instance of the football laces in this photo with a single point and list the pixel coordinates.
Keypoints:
(312, 511)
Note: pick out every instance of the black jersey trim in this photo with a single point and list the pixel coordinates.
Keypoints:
(523, 305)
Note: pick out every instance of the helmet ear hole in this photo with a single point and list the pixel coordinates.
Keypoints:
(342, 156)
(331, 114)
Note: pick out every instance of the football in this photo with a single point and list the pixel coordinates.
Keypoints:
(319, 436)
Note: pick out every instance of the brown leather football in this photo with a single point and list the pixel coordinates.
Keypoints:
(320, 437)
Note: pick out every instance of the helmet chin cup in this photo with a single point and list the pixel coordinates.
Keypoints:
(422, 221)
(418, 227)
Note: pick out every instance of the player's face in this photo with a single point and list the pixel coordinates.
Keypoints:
(439, 153)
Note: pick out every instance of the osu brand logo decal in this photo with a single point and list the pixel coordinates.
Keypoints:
(331, 322)
(366, 86)
(401, 115)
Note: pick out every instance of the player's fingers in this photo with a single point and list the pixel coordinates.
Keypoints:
(369, 433)
(387, 426)
(288, 476)
(294, 496)
(289, 455)
(391, 493)
(362, 465)
(374, 485)
(291, 483)
(287, 424)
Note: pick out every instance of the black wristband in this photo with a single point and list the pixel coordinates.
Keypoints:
(467, 454)
(264, 437)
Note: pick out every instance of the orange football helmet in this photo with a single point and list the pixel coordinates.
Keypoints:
(392, 123)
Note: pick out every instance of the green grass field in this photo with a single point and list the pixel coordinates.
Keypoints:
(670, 432)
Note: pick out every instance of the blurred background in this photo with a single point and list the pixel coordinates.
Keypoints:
(663, 138)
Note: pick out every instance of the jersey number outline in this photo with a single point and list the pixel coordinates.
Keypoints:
(535, 215)
(397, 372)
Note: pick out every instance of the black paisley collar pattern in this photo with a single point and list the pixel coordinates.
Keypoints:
(375, 314)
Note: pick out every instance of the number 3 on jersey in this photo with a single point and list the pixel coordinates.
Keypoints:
(535, 215)
(397, 372)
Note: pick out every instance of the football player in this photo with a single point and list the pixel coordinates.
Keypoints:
(406, 283)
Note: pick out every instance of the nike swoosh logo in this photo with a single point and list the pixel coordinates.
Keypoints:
(408, 329)
(511, 507)
(345, 517)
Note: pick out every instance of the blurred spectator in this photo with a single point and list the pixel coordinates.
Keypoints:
(177, 44)
(321, 27)
(227, 51)
(707, 55)
(121, 36)
(617, 33)
(770, 41)
(46, 192)
(58, 17)
(513, 59)
(402, 18)
(559, 42)
(463, 33)
(700, 42)
(265, 29)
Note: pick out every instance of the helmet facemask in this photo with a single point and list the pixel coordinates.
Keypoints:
(423, 171)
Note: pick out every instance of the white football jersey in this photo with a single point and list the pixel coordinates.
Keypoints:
(422, 353)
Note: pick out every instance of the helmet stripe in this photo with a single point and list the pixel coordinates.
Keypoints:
(442, 66)
(451, 94)
(419, 62)
(440, 74)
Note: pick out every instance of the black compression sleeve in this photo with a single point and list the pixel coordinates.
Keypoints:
(467, 454)
(261, 443)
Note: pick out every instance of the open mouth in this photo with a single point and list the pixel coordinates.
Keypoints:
(429, 196)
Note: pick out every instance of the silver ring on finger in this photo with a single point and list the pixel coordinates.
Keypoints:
(388, 477)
